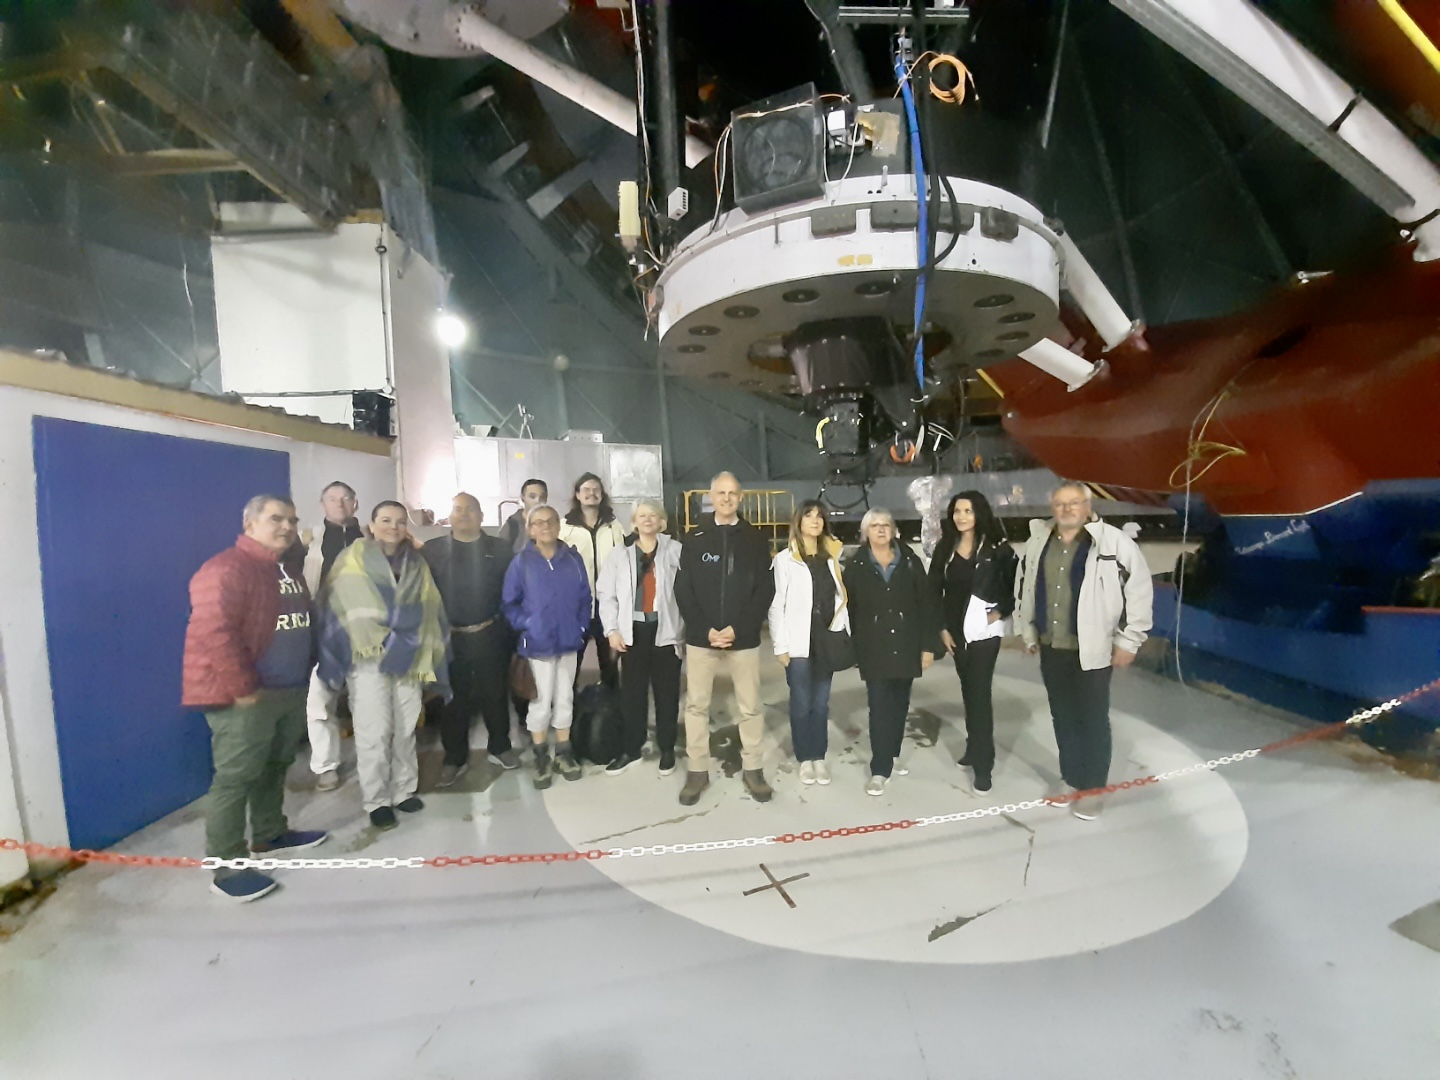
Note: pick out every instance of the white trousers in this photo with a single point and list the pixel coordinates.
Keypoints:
(555, 685)
(384, 710)
(324, 728)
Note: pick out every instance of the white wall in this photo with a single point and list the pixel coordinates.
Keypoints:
(30, 780)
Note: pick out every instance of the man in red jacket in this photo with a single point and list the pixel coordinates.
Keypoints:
(249, 649)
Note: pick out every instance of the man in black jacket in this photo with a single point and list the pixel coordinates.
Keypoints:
(469, 570)
(724, 588)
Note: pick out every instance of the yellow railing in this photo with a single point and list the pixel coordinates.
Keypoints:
(769, 511)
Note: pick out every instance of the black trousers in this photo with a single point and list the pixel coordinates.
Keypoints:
(608, 659)
(646, 668)
(479, 679)
(975, 664)
(1080, 711)
(889, 701)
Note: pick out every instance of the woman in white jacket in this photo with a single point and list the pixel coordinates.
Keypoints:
(642, 625)
(591, 529)
(807, 617)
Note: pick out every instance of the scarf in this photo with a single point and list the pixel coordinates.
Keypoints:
(370, 614)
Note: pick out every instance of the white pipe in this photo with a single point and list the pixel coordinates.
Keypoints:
(1260, 62)
(1093, 298)
(477, 32)
(1054, 359)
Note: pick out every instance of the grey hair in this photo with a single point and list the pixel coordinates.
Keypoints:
(723, 473)
(650, 504)
(874, 514)
(1072, 485)
(258, 503)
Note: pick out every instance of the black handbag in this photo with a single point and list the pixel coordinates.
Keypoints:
(837, 651)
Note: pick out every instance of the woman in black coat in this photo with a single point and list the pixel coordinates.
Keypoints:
(973, 575)
(895, 625)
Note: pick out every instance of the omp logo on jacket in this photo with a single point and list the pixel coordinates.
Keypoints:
(710, 556)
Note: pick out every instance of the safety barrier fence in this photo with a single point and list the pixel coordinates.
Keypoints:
(83, 855)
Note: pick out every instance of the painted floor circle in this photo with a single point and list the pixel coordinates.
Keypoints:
(1024, 886)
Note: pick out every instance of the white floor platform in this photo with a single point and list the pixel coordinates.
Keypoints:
(1228, 925)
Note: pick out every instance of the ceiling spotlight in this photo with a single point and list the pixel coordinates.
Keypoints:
(451, 330)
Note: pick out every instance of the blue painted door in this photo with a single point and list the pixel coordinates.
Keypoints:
(126, 517)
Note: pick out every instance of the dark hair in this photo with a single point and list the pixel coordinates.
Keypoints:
(535, 481)
(576, 516)
(987, 525)
(795, 543)
(389, 502)
(340, 484)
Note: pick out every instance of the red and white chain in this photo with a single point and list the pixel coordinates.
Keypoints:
(415, 862)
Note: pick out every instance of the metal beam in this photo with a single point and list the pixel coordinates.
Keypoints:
(174, 162)
(1107, 179)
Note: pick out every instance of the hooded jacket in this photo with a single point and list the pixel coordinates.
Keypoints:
(1114, 596)
(234, 606)
(593, 548)
(724, 580)
(617, 592)
(547, 602)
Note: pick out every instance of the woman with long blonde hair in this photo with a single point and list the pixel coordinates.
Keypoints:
(810, 629)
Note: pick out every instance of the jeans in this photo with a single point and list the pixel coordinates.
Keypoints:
(809, 708)
(480, 679)
(646, 667)
(252, 747)
(889, 705)
(1080, 711)
(975, 664)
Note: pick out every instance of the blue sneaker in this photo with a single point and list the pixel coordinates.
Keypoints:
(242, 886)
(291, 840)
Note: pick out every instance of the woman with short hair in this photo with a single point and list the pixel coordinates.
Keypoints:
(642, 624)
(896, 628)
(973, 575)
(591, 529)
(385, 635)
(810, 628)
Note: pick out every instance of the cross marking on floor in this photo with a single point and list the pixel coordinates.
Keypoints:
(777, 885)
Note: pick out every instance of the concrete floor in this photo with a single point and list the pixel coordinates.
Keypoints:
(1233, 926)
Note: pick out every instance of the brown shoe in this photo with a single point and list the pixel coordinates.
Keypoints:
(695, 784)
(755, 783)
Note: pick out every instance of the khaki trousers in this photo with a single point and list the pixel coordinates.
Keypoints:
(384, 710)
(701, 666)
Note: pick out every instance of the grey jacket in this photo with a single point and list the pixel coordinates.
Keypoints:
(616, 592)
(1115, 605)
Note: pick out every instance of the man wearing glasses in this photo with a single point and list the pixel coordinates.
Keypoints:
(1084, 602)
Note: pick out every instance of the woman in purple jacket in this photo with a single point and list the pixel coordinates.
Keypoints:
(547, 602)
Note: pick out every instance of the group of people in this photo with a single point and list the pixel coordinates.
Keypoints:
(283, 623)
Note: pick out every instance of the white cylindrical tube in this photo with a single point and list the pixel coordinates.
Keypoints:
(629, 214)
(1054, 359)
(1093, 298)
(478, 32)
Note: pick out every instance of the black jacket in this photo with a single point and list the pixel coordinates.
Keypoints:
(892, 622)
(724, 580)
(994, 581)
(494, 561)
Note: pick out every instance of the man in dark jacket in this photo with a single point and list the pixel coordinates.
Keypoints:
(469, 570)
(724, 588)
(249, 649)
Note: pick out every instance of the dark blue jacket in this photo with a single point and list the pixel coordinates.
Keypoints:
(547, 601)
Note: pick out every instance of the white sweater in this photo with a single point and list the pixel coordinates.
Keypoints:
(794, 597)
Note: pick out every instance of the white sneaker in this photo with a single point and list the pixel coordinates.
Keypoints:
(822, 772)
(899, 770)
(876, 786)
(1088, 809)
(1058, 791)
(807, 772)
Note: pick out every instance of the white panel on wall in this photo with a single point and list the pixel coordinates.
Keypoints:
(422, 381)
(301, 314)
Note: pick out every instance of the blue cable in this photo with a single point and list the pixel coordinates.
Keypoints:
(923, 234)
